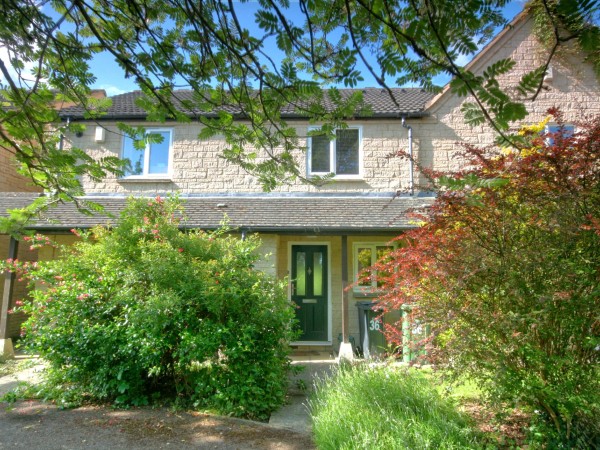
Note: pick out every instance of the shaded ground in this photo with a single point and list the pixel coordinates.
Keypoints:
(510, 432)
(32, 424)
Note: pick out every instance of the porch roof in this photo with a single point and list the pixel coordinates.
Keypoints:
(268, 213)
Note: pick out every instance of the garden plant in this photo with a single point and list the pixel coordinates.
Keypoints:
(506, 271)
(145, 312)
(383, 407)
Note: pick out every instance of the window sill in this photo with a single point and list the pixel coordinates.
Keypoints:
(357, 178)
(144, 180)
(347, 178)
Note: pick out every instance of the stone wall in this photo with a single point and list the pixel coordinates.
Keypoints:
(574, 88)
(197, 166)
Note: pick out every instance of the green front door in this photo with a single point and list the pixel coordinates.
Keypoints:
(309, 290)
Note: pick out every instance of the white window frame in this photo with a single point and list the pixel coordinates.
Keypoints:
(333, 154)
(566, 126)
(371, 290)
(145, 174)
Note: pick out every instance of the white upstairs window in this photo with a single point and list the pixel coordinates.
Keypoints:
(341, 156)
(151, 160)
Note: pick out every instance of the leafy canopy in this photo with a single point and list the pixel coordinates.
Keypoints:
(227, 60)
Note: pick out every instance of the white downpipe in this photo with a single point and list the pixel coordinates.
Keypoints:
(411, 181)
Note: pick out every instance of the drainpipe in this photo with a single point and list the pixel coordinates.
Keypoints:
(62, 136)
(411, 183)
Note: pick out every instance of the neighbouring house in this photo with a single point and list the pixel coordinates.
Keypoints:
(14, 185)
(318, 237)
(11, 288)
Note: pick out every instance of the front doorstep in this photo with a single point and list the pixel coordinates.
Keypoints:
(311, 344)
(316, 352)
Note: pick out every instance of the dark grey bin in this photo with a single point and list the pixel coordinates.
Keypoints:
(372, 340)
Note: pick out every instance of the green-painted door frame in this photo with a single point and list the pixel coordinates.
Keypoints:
(310, 283)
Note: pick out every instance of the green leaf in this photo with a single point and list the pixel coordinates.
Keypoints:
(472, 114)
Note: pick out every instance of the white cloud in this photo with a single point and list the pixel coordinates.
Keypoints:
(22, 78)
(111, 89)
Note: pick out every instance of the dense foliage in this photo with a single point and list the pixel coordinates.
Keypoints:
(506, 270)
(146, 312)
(387, 408)
(279, 58)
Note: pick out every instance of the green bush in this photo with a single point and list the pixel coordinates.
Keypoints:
(371, 407)
(145, 311)
(505, 271)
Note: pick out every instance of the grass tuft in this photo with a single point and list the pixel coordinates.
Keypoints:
(384, 407)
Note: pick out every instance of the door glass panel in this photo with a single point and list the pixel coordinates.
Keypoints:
(300, 273)
(318, 273)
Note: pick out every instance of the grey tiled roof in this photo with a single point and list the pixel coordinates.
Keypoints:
(308, 214)
(410, 102)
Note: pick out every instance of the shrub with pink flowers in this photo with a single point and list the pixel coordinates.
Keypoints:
(146, 312)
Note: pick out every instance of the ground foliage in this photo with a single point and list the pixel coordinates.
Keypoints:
(226, 59)
(506, 271)
(146, 312)
(389, 408)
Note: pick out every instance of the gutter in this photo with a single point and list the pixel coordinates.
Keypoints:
(411, 182)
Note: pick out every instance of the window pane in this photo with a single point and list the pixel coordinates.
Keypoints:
(300, 273)
(319, 154)
(382, 251)
(566, 131)
(365, 258)
(318, 273)
(135, 157)
(159, 154)
(346, 152)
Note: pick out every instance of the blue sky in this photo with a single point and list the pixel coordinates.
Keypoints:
(110, 77)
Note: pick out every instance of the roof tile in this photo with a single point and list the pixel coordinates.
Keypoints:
(267, 213)
(402, 101)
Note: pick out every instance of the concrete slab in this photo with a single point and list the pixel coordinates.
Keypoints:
(30, 374)
(295, 415)
(6, 349)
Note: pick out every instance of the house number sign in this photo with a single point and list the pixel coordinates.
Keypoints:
(375, 325)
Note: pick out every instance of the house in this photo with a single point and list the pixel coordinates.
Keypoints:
(10, 288)
(318, 237)
(13, 185)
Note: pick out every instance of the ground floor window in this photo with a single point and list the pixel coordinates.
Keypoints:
(365, 256)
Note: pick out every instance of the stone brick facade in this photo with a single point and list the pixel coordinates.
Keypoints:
(197, 166)
(198, 169)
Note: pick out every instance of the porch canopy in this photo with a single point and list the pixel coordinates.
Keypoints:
(338, 214)
(312, 214)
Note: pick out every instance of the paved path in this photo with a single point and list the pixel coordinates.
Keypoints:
(30, 374)
(295, 415)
